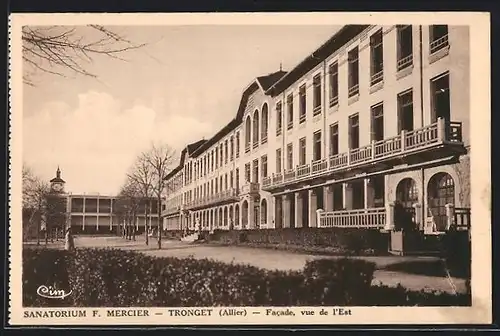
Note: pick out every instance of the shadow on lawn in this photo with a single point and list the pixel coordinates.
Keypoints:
(434, 268)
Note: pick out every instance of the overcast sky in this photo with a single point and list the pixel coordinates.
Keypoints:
(184, 85)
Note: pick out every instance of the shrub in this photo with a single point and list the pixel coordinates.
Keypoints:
(117, 278)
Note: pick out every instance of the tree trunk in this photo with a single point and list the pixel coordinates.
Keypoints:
(38, 229)
(159, 222)
(146, 221)
(134, 225)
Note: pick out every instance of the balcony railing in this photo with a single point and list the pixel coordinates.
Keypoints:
(255, 144)
(317, 110)
(405, 62)
(171, 210)
(224, 196)
(377, 77)
(289, 125)
(263, 138)
(247, 148)
(374, 218)
(302, 118)
(438, 44)
(250, 188)
(334, 101)
(405, 143)
(353, 90)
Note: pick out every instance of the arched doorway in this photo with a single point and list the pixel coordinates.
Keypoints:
(263, 212)
(278, 213)
(407, 195)
(244, 215)
(440, 191)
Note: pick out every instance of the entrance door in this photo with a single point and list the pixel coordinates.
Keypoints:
(441, 191)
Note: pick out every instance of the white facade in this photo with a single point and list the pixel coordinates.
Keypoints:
(410, 144)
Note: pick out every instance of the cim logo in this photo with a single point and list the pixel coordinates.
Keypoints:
(51, 292)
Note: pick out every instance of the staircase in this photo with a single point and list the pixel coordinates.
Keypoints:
(190, 238)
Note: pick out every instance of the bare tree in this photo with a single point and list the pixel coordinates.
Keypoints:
(161, 158)
(58, 49)
(35, 191)
(127, 205)
(142, 175)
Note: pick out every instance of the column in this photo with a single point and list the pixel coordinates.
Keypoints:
(328, 201)
(347, 191)
(299, 204)
(97, 216)
(286, 209)
(251, 214)
(369, 193)
(313, 206)
(83, 216)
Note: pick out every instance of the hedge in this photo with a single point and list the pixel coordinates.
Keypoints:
(346, 240)
(117, 278)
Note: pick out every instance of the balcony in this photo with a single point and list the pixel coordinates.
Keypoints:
(430, 139)
(405, 62)
(255, 144)
(171, 210)
(302, 118)
(377, 78)
(439, 44)
(247, 148)
(289, 125)
(263, 139)
(250, 188)
(225, 196)
(334, 101)
(353, 90)
(278, 131)
(374, 218)
(317, 110)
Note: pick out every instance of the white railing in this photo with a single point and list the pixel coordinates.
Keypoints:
(223, 196)
(377, 77)
(302, 118)
(365, 218)
(353, 90)
(438, 44)
(250, 188)
(405, 143)
(317, 110)
(334, 101)
(405, 62)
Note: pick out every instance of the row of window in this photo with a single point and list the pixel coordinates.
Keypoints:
(438, 40)
(440, 102)
(216, 185)
(226, 152)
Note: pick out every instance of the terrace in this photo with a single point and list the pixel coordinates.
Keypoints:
(226, 196)
(436, 136)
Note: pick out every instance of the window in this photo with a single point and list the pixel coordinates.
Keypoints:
(248, 126)
(263, 164)
(226, 156)
(278, 160)
(279, 118)
(334, 139)
(354, 131)
(238, 145)
(255, 164)
(317, 146)
(302, 151)
(216, 158)
(302, 104)
(317, 94)
(247, 172)
(438, 37)
(237, 178)
(216, 186)
(256, 129)
(405, 111)
(377, 58)
(289, 156)
(232, 148)
(334, 84)
(377, 125)
(353, 72)
(440, 91)
(405, 46)
(212, 160)
(231, 179)
(225, 182)
(265, 118)
(220, 183)
(289, 104)
(221, 155)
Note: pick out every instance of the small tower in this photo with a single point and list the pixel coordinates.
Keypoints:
(57, 183)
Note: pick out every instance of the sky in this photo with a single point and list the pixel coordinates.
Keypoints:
(184, 85)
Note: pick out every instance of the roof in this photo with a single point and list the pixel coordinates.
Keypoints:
(57, 179)
(334, 43)
(259, 82)
(192, 147)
